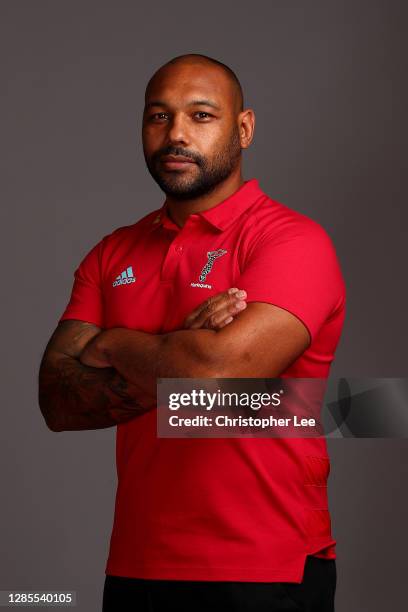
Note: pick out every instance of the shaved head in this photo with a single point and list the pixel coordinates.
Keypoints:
(203, 61)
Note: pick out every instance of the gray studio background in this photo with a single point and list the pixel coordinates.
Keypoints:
(327, 81)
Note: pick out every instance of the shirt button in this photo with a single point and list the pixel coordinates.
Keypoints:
(179, 249)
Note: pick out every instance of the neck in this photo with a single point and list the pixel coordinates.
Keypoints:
(180, 210)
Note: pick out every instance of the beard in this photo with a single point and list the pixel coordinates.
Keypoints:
(206, 174)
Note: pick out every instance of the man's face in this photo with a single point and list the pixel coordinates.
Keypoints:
(190, 113)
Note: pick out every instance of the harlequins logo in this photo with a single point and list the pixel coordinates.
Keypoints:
(211, 257)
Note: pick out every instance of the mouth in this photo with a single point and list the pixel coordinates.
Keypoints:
(176, 162)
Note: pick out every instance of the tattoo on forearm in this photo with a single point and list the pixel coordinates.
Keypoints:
(73, 396)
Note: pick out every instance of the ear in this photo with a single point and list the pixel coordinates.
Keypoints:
(246, 122)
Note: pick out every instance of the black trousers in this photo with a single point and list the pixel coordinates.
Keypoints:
(314, 594)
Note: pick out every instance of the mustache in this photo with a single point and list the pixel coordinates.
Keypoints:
(171, 150)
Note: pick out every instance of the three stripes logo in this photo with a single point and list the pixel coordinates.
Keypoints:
(125, 278)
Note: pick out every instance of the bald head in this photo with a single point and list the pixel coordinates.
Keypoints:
(202, 62)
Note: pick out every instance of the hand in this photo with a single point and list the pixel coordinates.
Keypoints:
(217, 311)
(94, 354)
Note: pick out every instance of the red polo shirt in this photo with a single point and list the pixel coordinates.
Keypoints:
(228, 508)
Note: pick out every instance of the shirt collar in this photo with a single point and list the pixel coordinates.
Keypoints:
(222, 214)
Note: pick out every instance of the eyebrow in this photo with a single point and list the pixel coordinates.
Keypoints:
(192, 103)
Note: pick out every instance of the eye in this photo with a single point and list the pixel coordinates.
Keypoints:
(157, 116)
(203, 113)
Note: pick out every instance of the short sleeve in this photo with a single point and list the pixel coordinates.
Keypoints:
(296, 269)
(85, 303)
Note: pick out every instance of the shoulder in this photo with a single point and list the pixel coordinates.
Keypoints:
(121, 237)
(133, 230)
(272, 222)
(291, 245)
(111, 245)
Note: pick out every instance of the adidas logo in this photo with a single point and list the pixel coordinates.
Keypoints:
(125, 278)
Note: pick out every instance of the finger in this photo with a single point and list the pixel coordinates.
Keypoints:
(209, 305)
(212, 305)
(216, 318)
(213, 314)
(225, 322)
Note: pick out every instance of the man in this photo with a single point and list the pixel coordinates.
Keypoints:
(235, 524)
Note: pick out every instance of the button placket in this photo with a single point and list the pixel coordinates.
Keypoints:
(179, 246)
(172, 259)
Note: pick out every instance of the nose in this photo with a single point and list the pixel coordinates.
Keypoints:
(177, 130)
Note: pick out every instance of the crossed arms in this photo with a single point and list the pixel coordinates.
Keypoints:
(92, 378)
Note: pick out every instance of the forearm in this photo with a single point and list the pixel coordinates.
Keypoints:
(143, 358)
(73, 396)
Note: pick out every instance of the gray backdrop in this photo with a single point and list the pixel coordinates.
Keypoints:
(327, 82)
